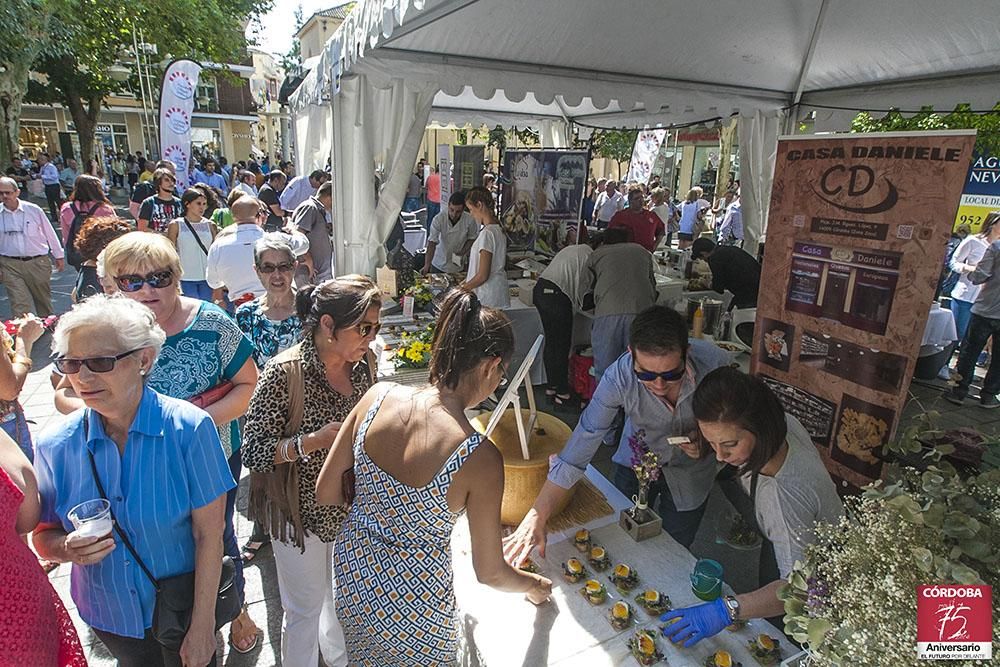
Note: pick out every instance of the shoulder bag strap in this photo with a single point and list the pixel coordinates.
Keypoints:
(196, 236)
(100, 487)
(296, 395)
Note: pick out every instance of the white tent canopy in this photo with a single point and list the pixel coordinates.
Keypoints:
(395, 65)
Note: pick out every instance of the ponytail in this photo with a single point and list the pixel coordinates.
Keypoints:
(345, 300)
(467, 332)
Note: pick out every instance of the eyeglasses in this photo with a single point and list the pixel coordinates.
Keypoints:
(133, 282)
(504, 380)
(366, 329)
(95, 364)
(666, 376)
(271, 268)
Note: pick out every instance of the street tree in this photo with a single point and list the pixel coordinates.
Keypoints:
(96, 34)
(615, 145)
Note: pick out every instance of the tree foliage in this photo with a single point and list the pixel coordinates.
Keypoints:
(291, 61)
(615, 145)
(962, 117)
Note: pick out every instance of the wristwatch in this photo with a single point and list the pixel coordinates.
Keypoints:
(733, 606)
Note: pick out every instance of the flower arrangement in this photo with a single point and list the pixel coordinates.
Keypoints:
(646, 465)
(853, 600)
(420, 292)
(414, 350)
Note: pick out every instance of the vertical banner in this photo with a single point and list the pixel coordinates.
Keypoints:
(469, 166)
(855, 239)
(444, 162)
(981, 193)
(644, 153)
(542, 194)
(180, 82)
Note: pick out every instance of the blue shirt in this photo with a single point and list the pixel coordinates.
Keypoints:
(215, 180)
(172, 464)
(690, 480)
(49, 174)
(269, 337)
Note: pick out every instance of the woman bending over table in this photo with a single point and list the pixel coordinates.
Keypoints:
(743, 423)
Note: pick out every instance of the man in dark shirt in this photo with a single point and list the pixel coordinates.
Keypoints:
(270, 196)
(733, 269)
(157, 211)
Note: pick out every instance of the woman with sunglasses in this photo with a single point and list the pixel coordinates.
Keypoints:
(192, 234)
(418, 463)
(271, 323)
(743, 424)
(205, 354)
(333, 368)
(653, 383)
(125, 441)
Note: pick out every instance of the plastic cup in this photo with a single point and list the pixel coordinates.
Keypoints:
(92, 519)
(706, 579)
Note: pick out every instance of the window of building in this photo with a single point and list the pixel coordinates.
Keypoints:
(207, 97)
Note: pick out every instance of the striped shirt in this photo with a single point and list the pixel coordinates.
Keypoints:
(173, 464)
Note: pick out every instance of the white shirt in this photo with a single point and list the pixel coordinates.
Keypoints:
(790, 503)
(606, 206)
(297, 191)
(565, 270)
(230, 259)
(450, 238)
(26, 232)
(494, 292)
(247, 189)
(665, 212)
(194, 261)
(969, 251)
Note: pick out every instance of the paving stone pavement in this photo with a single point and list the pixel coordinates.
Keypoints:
(261, 580)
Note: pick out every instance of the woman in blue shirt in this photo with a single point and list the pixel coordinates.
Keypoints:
(106, 348)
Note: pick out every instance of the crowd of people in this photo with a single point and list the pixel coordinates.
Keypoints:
(200, 335)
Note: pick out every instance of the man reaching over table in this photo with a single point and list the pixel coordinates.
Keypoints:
(733, 269)
(452, 232)
(653, 382)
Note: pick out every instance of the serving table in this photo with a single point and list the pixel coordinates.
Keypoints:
(504, 629)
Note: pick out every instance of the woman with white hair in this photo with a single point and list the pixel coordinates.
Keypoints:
(118, 448)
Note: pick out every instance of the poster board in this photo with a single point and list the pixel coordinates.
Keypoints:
(542, 194)
(981, 193)
(469, 170)
(855, 239)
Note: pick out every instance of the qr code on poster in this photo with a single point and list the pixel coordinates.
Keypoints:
(904, 232)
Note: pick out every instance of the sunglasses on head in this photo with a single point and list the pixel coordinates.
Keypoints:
(284, 267)
(133, 282)
(95, 364)
(667, 376)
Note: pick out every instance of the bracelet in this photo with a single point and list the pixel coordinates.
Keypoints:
(285, 454)
(300, 450)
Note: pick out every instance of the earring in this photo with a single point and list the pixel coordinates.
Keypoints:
(142, 371)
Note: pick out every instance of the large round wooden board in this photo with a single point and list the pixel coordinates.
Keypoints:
(524, 479)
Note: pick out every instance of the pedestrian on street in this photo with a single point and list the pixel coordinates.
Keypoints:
(27, 241)
(49, 174)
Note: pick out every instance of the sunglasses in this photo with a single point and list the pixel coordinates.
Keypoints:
(366, 329)
(271, 268)
(504, 380)
(95, 364)
(133, 282)
(666, 376)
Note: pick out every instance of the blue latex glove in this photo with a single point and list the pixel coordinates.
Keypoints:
(697, 622)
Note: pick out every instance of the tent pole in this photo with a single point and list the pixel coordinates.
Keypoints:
(792, 117)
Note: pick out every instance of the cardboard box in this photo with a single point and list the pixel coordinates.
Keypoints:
(388, 281)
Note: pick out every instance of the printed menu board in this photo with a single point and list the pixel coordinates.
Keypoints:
(855, 239)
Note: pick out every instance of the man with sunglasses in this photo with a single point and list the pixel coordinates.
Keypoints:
(27, 240)
(653, 382)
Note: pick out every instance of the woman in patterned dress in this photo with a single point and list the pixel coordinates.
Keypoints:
(271, 324)
(418, 463)
(204, 348)
(340, 318)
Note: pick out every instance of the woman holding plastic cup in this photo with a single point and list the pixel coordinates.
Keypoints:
(120, 449)
(743, 423)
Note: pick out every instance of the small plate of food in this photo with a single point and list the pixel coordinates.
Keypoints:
(643, 647)
(574, 570)
(528, 565)
(653, 601)
(599, 558)
(621, 615)
(595, 592)
(624, 577)
(765, 650)
(582, 540)
(721, 659)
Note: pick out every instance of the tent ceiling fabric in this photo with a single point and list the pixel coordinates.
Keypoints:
(653, 64)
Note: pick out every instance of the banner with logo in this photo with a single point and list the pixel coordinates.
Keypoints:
(468, 167)
(981, 193)
(180, 83)
(855, 240)
(644, 154)
(542, 196)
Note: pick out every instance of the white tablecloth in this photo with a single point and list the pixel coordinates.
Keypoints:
(503, 629)
(940, 330)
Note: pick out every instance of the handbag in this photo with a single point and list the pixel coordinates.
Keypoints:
(212, 394)
(175, 595)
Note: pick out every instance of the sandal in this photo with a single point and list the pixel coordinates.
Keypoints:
(561, 399)
(550, 392)
(242, 619)
(249, 552)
